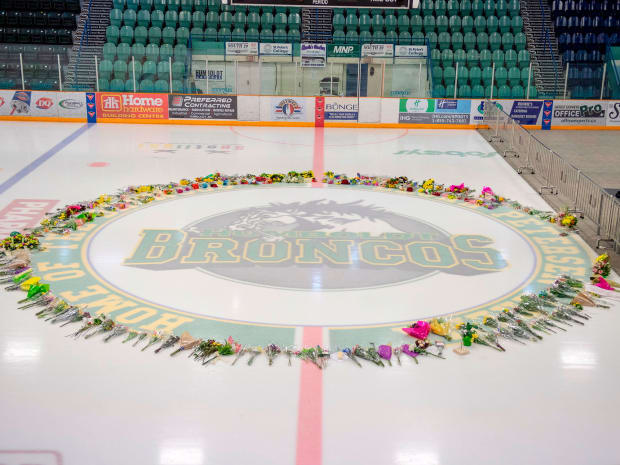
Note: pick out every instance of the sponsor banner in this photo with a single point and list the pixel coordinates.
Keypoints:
(341, 109)
(343, 51)
(204, 74)
(287, 109)
(378, 50)
(202, 107)
(91, 107)
(434, 111)
(579, 113)
(43, 104)
(547, 114)
(15, 103)
(23, 213)
(313, 55)
(241, 48)
(526, 112)
(71, 104)
(411, 51)
(613, 113)
(276, 49)
(130, 106)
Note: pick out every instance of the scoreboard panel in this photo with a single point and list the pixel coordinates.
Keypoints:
(328, 3)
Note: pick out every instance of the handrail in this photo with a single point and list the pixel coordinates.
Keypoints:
(547, 41)
(85, 35)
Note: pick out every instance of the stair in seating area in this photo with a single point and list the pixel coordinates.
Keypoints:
(542, 44)
(88, 41)
(316, 25)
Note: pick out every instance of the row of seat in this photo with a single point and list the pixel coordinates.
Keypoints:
(35, 36)
(32, 84)
(434, 24)
(72, 6)
(31, 70)
(138, 51)
(484, 58)
(467, 7)
(475, 75)
(585, 5)
(38, 19)
(143, 85)
(42, 53)
(478, 91)
(579, 56)
(586, 23)
(198, 5)
(199, 19)
(125, 70)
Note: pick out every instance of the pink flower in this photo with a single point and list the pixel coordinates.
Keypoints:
(460, 187)
(603, 284)
(420, 330)
(487, 190)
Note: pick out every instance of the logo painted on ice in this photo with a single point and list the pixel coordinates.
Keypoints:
(307, 245)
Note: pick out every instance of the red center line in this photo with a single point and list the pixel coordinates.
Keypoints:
(310, 410)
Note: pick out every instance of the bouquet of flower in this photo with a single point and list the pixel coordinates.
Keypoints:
(601, 266)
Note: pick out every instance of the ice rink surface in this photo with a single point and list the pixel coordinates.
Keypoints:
(87, 402)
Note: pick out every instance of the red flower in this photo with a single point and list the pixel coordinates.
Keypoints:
(213, 185)
(195, 186)
(410, 189)
(345, 181)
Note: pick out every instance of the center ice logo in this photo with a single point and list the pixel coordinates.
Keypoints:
(317, 244)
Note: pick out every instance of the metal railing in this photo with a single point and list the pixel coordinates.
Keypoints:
(556, 175)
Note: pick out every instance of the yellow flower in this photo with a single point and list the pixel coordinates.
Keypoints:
(484, 320)
(474, 336)
(184, 182)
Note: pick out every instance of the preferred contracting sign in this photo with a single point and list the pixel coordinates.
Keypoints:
(202, 107)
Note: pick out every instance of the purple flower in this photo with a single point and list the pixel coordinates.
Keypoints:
(385, 352)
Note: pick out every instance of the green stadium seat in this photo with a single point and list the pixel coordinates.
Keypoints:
(378, 37)
(482, 41)
(477, 91)
(109, 51)
(163, 70)
(439, 91)
(338, 21)
(146, 5)
(435, 57)
(417, 38)
(501, 8)
(432, 39)
(200, 5)
(404, 23)
(444, 39)
(504, 91)
(117, 85)
(166, 52)
(171, 19)
(427, 7)
(377, 22)
(106, 67)
(157, 19)
(477, 8)
(449, 73)
(440, 7)
(487, 75)
(138, 69)
(116, 17)
(211, 34)
(294, 19)
(173, 5)
(467, 24)
(460, 57)
(339, 37)
(516, 24)
(442, 23)
(168, 35)
(510, 58)
(294, 36)
(104, 85)
(480, 24)
(498, 58)
(365, 37)
(198, 19)
(457, 41)
(489, 8)
(154, 35)
(141, 35)
(178, 70)
(465, 8)
(365, 22)
(514, 76)
(215, 5)
(416, 23)
(453, 8)
(475, 75)
(213, 19)
(133, 5)
(162, 86)
(517, 92)
(126, 34)
(485, 58)
(112, 34)
(514, 8)
(473, 58)
(266, 20)
(177, 86)
(490, 92)
(505, 24)
(469, 41)
(492, 24)
(533, 92)
(455, 24)
(501, 75)
(391, 23)
(464, 91)
(123, 51)
(186, 5)
(280, 20)
(525, 75)
(118, 4)
(198, 33)
(351, 22)
(180, 53)
(495, 41)
(138, 51)
(238, 34)
(520, 41)
(146, 85)
(266, 35)
(450, 90)
(149, 69)
(437, 72)
(182, 35)
(120, 69)
(429, 23)
(152, 52)
(391, 37)
(352, 37)
(404, 38)
(508, 40)
(279, 35)
(144, 18)
(185, 19)
(129, 18)
(447, 58)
